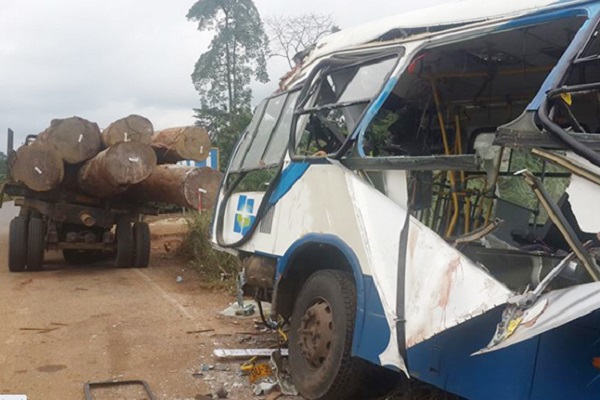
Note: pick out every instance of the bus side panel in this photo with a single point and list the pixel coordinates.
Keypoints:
(445, 361)
(564, 369)
(374, 334)
(555, 365)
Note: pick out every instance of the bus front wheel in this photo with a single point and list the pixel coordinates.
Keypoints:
(321, 332)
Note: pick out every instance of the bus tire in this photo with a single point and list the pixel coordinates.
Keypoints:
(321, 332)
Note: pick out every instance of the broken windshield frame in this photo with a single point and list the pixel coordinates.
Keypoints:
(281, 115)
(313, 86)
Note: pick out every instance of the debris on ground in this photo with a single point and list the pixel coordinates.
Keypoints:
(245, 353)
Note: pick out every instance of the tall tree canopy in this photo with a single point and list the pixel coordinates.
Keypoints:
(222, 75)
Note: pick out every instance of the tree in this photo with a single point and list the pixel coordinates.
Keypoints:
(222, 74)
(3, 168)
(291, 35)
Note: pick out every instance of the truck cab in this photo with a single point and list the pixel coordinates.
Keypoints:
(419, 195)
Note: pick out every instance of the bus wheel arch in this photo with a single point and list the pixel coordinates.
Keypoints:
(307, 256)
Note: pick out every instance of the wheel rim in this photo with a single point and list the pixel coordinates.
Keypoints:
(316, 333)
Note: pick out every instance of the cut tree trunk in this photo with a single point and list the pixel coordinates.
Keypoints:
(113, 170)
(38, 166)
(179, 185)
(133, 128)
(178, 144)
(76, 139)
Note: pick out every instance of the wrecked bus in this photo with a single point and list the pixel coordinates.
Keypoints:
(421, 195)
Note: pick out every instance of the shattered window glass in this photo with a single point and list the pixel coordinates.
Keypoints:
(337, 105)
(247, 137)
(513, 189)
(367, 81)
(263, 133)
(280, 137)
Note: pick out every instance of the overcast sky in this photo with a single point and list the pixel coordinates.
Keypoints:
(105, 59)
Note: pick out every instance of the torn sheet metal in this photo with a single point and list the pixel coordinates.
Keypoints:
(552, 310)
(443, 287)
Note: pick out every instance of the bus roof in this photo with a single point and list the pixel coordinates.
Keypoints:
(450, 15)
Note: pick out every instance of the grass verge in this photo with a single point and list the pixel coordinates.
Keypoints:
(214, 267)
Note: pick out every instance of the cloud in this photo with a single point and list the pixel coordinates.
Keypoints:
(104, 59)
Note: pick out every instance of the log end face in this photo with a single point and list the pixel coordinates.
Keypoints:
(197, 143)
(75, 138)
(185, 143)
(133, 128)
(128, 163)
(203, 181)
(39, 167)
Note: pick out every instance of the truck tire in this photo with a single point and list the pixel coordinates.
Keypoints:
(321, 332)
(125, 245)
(36, 244)
(17, 244)
(141, 235)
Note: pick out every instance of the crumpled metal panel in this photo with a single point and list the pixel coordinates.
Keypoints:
(552, 310)
(443, 287)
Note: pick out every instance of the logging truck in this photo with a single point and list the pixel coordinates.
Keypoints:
(421, 195)
(85, 228)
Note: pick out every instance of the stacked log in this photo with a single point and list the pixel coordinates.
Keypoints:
(133, 128)
(38, 166)
(75, 139)
(180, 185)
(115, 169)
(177, 144)
(121, 162)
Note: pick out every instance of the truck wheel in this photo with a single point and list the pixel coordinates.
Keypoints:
(35, 244)
(321, 331)
(17, 244)
(141, 235)
(125, 245)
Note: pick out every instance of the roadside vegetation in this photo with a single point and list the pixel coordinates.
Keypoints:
(215, 268)
(3, 168)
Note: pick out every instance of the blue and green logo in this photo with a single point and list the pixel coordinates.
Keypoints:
(243, 217)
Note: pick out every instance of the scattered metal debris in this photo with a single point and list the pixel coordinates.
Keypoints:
(89, 386)
(246, 353)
